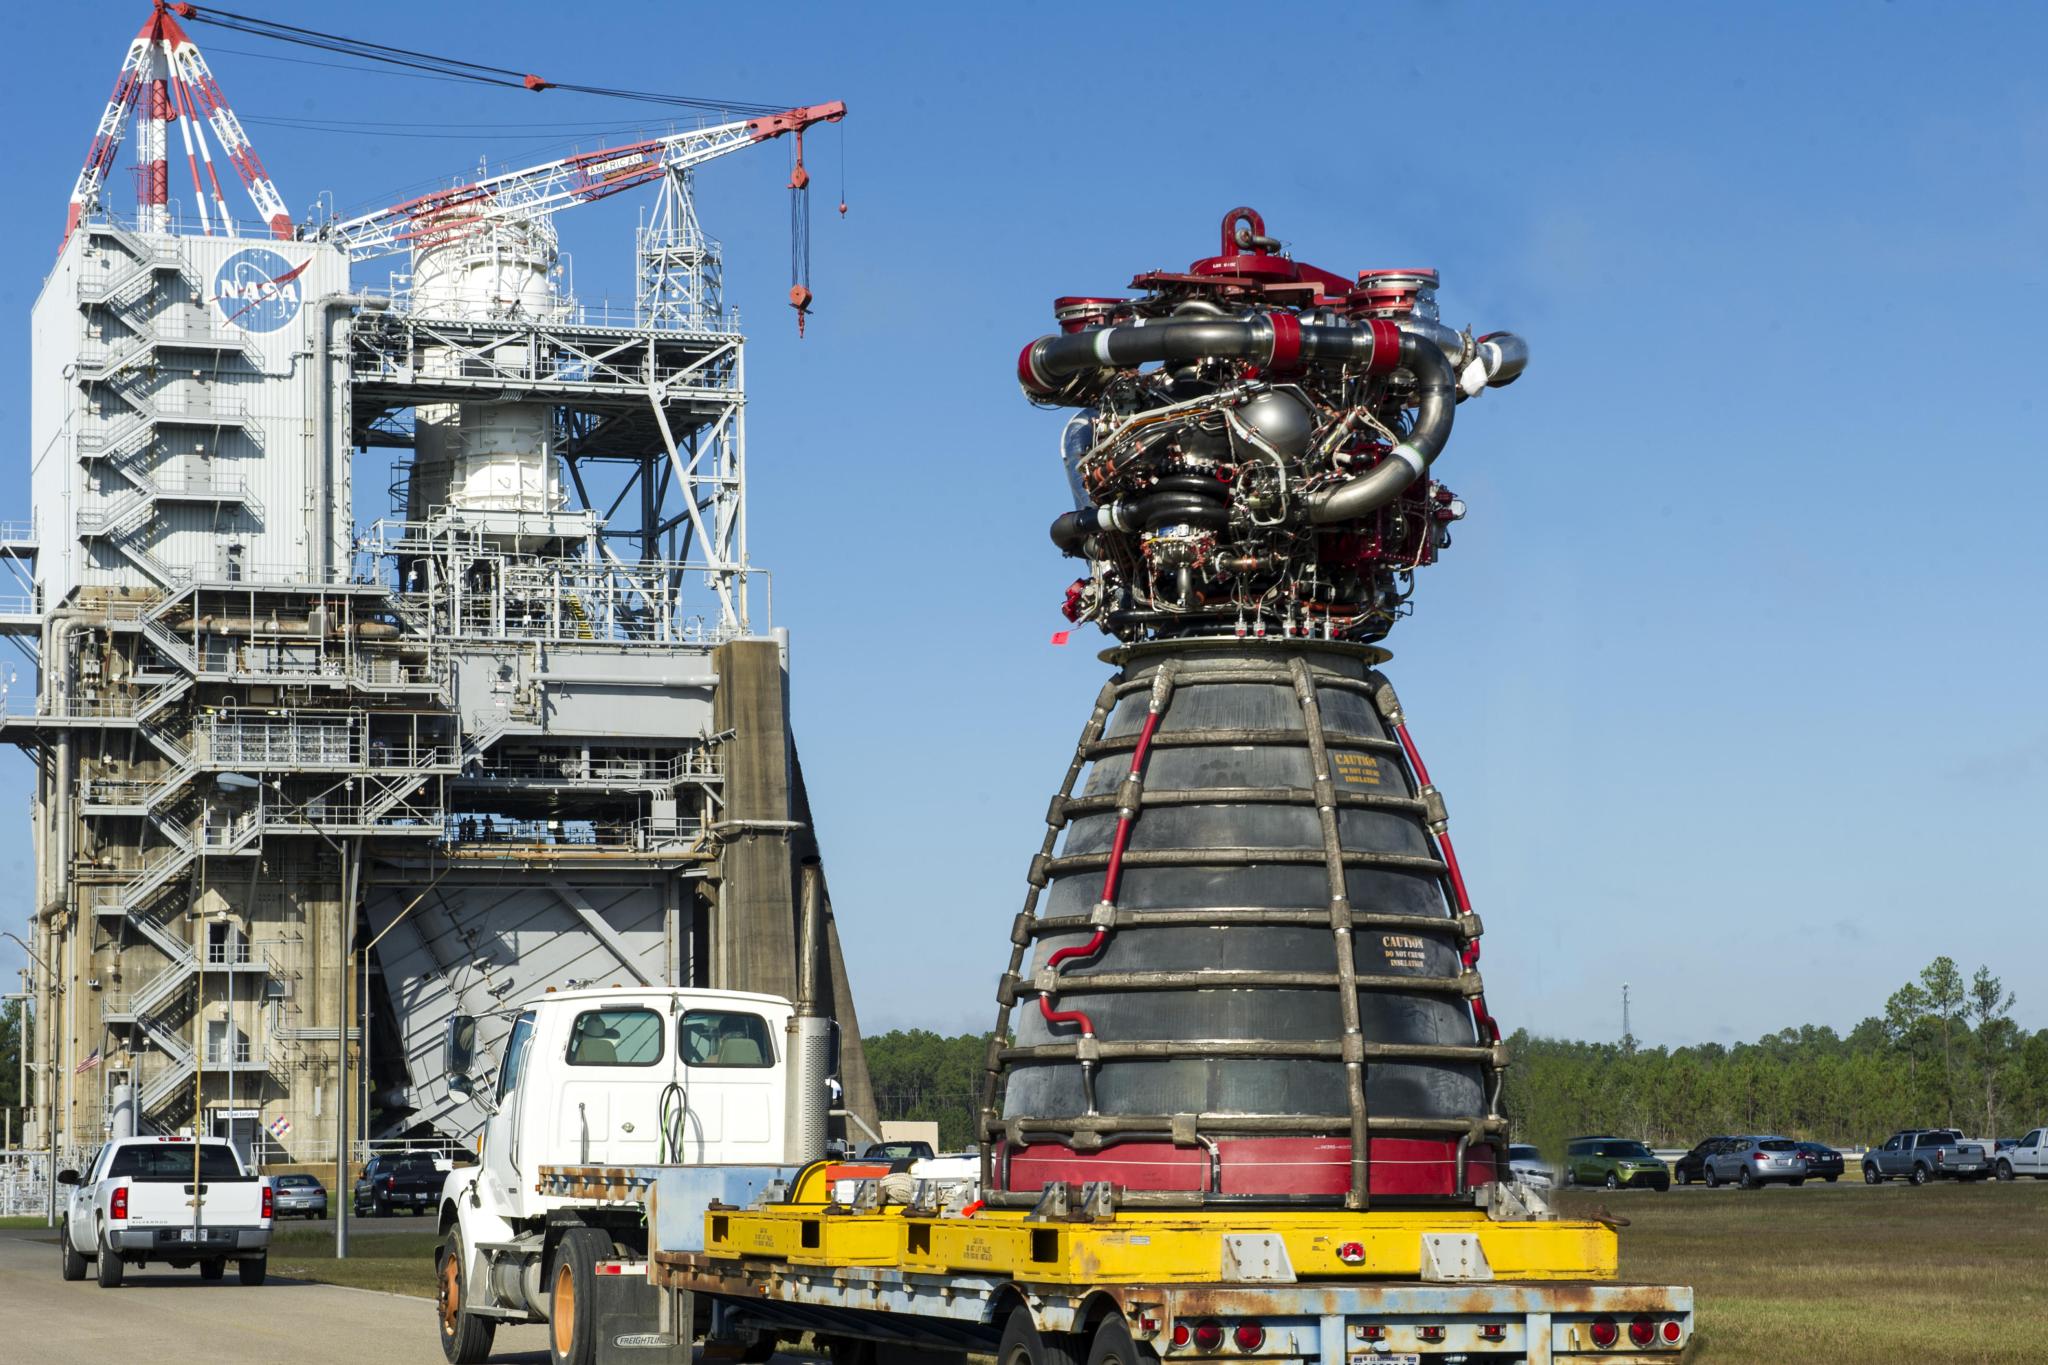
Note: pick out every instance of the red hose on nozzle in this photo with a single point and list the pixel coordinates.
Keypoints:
(1111, 875)
(1454, 874)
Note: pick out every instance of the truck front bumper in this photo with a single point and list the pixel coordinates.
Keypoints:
(184, 1240)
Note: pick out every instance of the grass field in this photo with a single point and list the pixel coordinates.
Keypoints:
(34, 1220)
(1842, 1273)
(396, 1262)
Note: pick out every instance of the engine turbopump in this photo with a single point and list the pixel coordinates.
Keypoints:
(1254, 443)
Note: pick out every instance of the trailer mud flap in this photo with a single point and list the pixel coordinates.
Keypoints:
(637, 1322)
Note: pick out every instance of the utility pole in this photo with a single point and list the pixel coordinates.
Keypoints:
(1628, 1037)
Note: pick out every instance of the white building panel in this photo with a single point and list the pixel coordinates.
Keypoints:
(179, 409)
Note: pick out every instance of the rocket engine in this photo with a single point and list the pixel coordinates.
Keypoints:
(1246, 968)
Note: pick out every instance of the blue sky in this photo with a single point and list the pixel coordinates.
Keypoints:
(1732, 677)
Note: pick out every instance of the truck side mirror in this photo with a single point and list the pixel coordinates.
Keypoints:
(465, 1087)
(461, 1043)
(67, 1177)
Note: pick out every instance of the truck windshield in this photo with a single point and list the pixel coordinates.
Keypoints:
(172, 1161)
(515, 1054)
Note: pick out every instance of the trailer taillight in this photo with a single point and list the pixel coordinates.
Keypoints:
(1641, 1331)
(1249, 1335)
(1208, 1334)
(117, 1207)
(1672, 1331)
(1605, 1333)
(1180, 1334)
(1494, 1331)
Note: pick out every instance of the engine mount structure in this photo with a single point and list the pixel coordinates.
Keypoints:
(1246, 970)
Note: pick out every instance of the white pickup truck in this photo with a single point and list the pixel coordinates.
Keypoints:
(2028, 1156)
(137, 1202)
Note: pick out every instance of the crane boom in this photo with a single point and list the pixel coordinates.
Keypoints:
(443, 215)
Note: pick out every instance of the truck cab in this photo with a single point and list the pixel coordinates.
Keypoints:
(618, 1081)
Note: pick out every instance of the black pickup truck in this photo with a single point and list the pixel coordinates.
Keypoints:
(407, 1181)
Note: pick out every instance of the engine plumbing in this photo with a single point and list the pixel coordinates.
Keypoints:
(1253, 448)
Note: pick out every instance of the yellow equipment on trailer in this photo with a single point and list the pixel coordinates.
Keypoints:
(1082, 1281)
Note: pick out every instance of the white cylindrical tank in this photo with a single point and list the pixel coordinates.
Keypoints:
(486, 457)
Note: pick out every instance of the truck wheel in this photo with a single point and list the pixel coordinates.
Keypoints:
(1920, 1175)
(74, 1264)
(213, 1269)
(1112, 1345)
(465, 1337)
(2005, 1170)
(572, 1300)
(252, 1269)
(110, 1267)
(1024, 1344)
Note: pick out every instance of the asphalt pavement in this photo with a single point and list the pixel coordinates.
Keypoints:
(165, 1315)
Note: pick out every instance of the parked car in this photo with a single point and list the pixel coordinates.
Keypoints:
(1526, 1164)
(1822, 1161)
(898, 1150)
(134, 1204)
(1692, 1166)
(2026, 1156)
(410, 1180)
(1617, 1163)
(1754, 1162)
(1924, 1154)
(299, 1194)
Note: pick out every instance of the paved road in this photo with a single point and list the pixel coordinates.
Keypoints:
(172, 1316)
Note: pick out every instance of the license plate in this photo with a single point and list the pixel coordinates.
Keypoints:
(1384, 1358)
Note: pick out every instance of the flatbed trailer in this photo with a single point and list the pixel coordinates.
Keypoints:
(1136, 1286)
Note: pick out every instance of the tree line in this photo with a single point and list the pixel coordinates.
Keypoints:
(1944, 1052)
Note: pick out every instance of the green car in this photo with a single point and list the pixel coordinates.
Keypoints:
(1617, 1163)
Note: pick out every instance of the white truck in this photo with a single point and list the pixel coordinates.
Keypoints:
(2028, 1156)
(727, 1088)
(168, 1199)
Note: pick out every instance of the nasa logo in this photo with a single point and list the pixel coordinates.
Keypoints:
(258, 290)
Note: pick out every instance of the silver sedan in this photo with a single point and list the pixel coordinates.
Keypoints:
(1757, 1161)
(298, 1196)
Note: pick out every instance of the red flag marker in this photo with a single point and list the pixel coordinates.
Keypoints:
(1060, 637)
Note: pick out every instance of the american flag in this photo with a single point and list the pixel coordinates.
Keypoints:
(92, 1060)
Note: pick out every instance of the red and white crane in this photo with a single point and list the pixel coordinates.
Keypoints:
(443, 215)
(165, 80)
